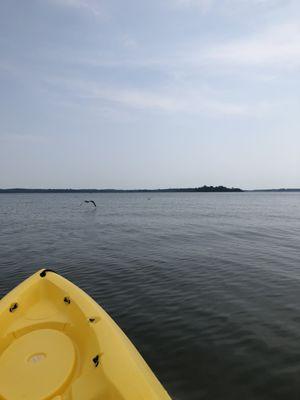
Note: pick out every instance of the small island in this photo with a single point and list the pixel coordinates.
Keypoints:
(202, 189)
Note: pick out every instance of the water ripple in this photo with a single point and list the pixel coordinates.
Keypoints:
(206, 285)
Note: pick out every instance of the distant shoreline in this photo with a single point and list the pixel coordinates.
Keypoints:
(275, 190)
(203, 189)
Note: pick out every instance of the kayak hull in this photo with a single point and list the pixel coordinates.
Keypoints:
(57, 343)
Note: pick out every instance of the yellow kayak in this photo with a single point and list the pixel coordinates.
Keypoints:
(57, 343)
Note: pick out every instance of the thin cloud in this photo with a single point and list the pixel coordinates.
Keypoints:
(22, 137)
(183, 101)
(91, 6)
(228, 5)
(203, 5)
(129, 42)
(278, 46)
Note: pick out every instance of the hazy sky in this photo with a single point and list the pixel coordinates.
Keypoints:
(140, 93)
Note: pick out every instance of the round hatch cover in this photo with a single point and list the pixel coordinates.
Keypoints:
(37, 365)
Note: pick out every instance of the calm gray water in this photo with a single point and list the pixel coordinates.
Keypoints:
(207, 286)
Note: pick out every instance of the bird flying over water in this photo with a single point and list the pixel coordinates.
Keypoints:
(90, 201)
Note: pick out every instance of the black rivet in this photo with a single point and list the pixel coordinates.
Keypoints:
(67, 300)
(13, 307)
(96, 360)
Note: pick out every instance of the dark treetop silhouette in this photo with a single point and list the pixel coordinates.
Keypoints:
(196, 189)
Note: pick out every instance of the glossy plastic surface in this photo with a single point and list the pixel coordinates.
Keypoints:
(57, 343)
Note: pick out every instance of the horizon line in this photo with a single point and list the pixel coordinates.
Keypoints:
(203, 188)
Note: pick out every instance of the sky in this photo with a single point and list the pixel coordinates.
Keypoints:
(149, 94)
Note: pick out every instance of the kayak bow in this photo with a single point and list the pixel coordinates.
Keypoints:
(57, 343)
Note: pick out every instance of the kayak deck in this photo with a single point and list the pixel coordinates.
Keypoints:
(57, 343)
